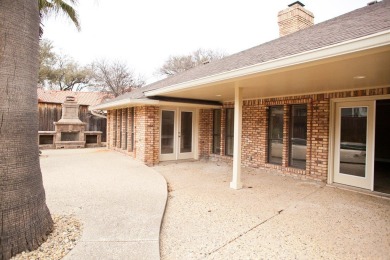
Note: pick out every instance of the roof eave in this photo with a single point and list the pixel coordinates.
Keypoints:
(355, 45)
(124, 103)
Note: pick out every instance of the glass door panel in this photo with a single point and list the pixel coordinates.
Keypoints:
(353, 141)
(167, 132)
(275, 135)
(186, 132)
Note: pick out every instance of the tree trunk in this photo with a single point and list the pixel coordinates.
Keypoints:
(25, 220)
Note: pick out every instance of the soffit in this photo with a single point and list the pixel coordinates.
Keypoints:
(327, 75)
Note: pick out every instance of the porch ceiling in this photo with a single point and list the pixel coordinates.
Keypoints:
(327, 75)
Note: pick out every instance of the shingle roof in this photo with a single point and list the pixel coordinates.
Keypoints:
(82, 98)
(359, 23)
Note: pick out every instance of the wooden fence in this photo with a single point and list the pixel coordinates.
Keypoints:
(51, 112)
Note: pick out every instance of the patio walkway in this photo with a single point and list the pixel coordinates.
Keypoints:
(273, 217)
(119, 200)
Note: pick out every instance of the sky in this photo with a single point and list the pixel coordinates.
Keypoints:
(144, 33)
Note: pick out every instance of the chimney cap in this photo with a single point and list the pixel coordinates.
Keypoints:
(296, 2)
(70, 98)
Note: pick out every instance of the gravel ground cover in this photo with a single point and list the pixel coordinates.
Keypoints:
(67, 231)
(272, 217)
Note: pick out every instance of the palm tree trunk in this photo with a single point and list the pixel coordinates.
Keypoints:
(25, 220)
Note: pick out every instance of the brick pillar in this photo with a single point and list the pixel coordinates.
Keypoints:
(252, 150)
(319, 138)
(286, 131)
(148, 134)
(205, 132)
(223, 131)
(309, 135)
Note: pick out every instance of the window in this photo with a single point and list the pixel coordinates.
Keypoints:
(275, 134)
(114, 123)
(131, 129)
(125, 119)
(229, 137)
(167, 132)
(217, 131)
(298, 136)
(119, 126)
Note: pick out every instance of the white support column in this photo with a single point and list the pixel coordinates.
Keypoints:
(236, 180)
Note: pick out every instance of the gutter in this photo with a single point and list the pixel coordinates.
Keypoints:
(364, 43)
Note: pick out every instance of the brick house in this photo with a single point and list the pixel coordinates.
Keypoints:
(313, 103)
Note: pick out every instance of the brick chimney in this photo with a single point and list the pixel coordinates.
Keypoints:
(294, 18)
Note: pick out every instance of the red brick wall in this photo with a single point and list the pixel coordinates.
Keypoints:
(205, 132)
(255, 130)
(146, 133)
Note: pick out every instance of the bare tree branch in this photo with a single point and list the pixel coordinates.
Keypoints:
(115, 77)
(177, 64)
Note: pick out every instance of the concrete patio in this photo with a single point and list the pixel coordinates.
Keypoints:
(121, 203)
(119, 200)
(273, 217)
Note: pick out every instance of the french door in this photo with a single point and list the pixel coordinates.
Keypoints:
(177, 134)
(354, 144)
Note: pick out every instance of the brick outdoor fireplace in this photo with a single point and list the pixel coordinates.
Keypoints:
(70, 131)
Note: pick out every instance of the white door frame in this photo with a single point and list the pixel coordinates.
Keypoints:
(177, 155)
(332, 120)
(170, 156)
(366, 182)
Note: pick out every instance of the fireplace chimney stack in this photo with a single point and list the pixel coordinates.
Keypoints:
(294, 18)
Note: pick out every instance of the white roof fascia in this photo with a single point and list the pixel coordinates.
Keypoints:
(124, 103)
(347, 47)
(134, 102)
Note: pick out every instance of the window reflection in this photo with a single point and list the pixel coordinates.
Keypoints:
(229, 131)
(353, 139)
(298, 136)
(167, 131)
(275, 134)
(186, 132)
(217, 131)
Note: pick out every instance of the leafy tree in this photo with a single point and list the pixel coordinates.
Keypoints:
(24, 216)
(115, 77)
(60, 71)
(176, 64)
(48, 7)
